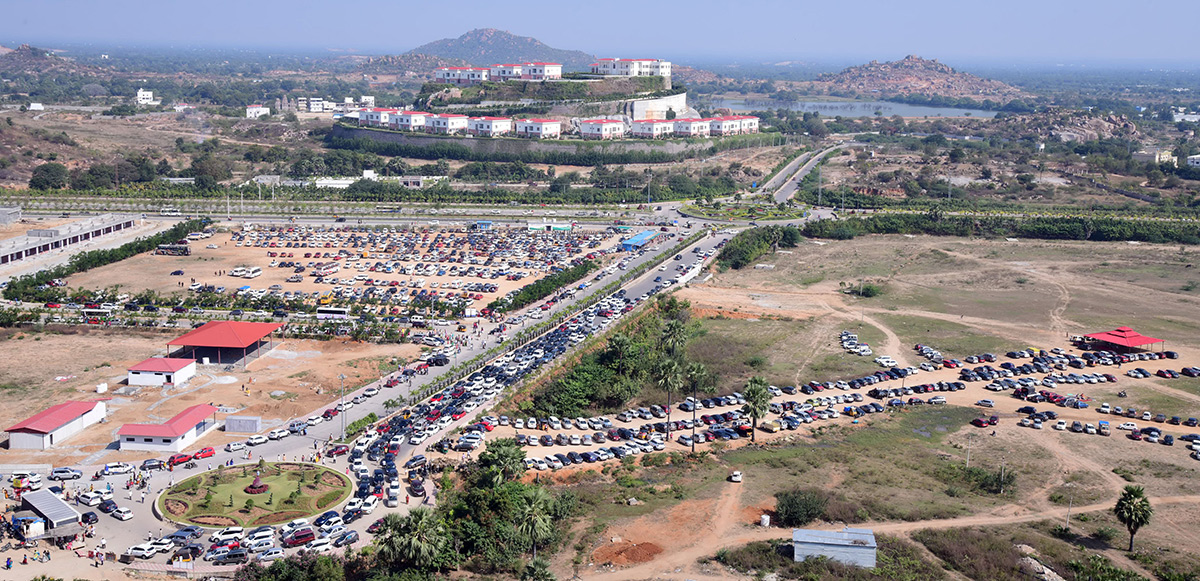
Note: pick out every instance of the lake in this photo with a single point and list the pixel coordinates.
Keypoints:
(849, 108)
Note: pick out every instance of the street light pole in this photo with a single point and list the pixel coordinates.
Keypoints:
(342, 404)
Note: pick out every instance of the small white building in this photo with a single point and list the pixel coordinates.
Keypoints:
(376, 117)
(162, 370)
(367, 101)
(850, 546)
(446, 123)
(541, 71)
(176, 434)
(601, 129)
(505, 72)
(1193, 160)
(145, 97)
(256, 111)
(539, 128)
(55, 424)
(653, 128)
(691, 127)
(489, 126)
(408, 120)
(37, 107)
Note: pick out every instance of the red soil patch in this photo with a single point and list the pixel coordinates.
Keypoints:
(707, 313)
(626, 553)
(176, 507)
(278, 517)
(213, 520)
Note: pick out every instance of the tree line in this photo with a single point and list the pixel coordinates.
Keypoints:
(544, 287)
(748, 245)
(1048, 228)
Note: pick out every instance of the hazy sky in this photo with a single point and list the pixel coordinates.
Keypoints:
(1146, 33)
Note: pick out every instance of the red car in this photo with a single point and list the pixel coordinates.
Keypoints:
(178, 459)
(330, 413)
(204, 453)
(53, 305)
(979, 422)
(339, 450)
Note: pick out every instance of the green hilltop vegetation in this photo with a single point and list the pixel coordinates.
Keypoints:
(488, 46)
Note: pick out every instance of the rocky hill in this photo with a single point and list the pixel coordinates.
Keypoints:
(487, 46)
(408, 63)
(916, 76)
(30, 59)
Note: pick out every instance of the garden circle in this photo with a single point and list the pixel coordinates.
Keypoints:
(223, 497)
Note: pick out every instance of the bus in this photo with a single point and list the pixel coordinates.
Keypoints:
(325, 313)
(171, 212)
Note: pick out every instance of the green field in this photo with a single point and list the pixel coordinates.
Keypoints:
(218, 497)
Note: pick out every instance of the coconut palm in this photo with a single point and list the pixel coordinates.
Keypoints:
(1133, 510)
(758, 400)
(414, 540)
(674, 336)
(533, 520)
(670, 379)
(505, 457)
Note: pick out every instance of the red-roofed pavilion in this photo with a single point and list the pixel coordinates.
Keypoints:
(226, 341)
(1123, 338)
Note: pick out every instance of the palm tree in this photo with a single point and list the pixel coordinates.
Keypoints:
(505, 457)
(533, 520)
(758, 400)
(622, 349)
(674, 336)
(670, 379)
(414, 540)
(1133, 510)
(697, 375)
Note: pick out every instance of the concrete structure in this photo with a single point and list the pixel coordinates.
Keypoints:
(256, 111)
(1192, 161)
(446, 124)
(541, 71)
(55, 424)
(505, 72)
(691, 127)
(243, 424)
(45, 240)
(632, 67)
(61, 518)
(539, 128)
(850, 546)
(601, 129)
(489, 126)
(176, 434)
(461, 75)
(9, 215)
(37, 107)
(653, 128)
(145, 97)
(161, 371)
(657, 108)
(1155, 156)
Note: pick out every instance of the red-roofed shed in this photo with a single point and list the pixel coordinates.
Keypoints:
(173, 435)
(162, 370)
(227, 341)
(1124, 338)
(55, 424)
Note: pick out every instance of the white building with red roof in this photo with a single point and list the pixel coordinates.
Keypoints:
(446, 123)
(408, 120)
(173, 435)
(489, 126)
(55, 424)
(461, 75)
(376, 117)
(601, 129)
(506, 72)
(733, 125)
(632, 67)
(653, 128)
(539, 128)
(162, 371)
(692, 127)
(541, 71)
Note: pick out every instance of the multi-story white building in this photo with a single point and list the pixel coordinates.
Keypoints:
(539, 128)
(408, 120)
(256, 111)
(653, 128)
(367, 101)
(733, 125)
(632, 67)
(461, 75)
(446, 123)
(505, 72)
(541, 71)
(691, 127)
(145, 97)
(489, 126)
(601, 129)
(376, 117)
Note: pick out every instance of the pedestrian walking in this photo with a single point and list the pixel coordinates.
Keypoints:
(143, 497)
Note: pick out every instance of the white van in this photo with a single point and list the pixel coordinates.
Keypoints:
(254, 272)
(239, 271)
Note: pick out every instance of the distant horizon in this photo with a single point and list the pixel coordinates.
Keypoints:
(1025, 33)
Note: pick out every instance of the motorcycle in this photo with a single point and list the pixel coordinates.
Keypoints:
(189, 465)
(1121, 394)
(97, 476)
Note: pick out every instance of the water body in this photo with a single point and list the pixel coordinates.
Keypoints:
(850, 108)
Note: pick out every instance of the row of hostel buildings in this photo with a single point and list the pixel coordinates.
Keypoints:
(538, 71)
(456, 124)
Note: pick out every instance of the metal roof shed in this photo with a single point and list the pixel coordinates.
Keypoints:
(849, 546)
(46, 504)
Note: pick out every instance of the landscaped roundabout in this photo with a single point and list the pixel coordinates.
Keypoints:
(250, 495)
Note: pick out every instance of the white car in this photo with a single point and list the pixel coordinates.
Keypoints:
(235, 446)
(1104, 408)
(90, 498)
(278, 434)
(986, 403)
(118, 468)
(142, 551)
(256, 439)
(1061, 425)
(1127, 426)
(319, 545)
(122, 513)
(353, 504)
(370, 504)
(228, 534)
(736, 476)
(292, 526)
(272, 554)
(371, 392)
(315, 420)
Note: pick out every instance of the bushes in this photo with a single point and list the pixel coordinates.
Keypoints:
(800, 507)
(975, 553)
(536, 291)
(896, 560)
(1047, 228)
(749, 245)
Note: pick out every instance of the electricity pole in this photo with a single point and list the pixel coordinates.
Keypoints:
(342, 399)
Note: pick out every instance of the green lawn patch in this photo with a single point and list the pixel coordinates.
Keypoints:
(218, 497)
